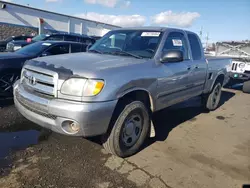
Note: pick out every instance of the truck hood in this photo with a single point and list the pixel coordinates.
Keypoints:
(20, 42)
(85, 64)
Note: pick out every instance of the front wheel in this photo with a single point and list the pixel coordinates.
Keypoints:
(211, 101)
(246, 87)
(7, 81)
(129, 130)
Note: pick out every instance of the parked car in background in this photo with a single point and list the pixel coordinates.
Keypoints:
(114, 88)
(240, 67)
(11, 63)
(4, 43)
(96, 37)
(15, 45)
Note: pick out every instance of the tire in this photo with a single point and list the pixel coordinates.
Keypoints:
(211, 101)
(246, 87)
(120, 140)
(7, 80)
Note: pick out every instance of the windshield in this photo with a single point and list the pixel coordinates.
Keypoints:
(34, 49)
(9, 39)
(39, 37)
(136, 43)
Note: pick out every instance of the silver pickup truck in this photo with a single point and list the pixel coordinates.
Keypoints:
(113, 89)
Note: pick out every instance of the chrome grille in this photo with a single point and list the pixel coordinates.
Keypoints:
(234, 66)
(40, 81)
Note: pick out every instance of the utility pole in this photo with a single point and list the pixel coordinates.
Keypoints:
(201, 32)
(207, 39)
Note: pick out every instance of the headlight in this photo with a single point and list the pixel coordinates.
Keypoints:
(73, 86)
(82, 87)
(93, 87)
(17, 48)
(242, 65)
(23, 73)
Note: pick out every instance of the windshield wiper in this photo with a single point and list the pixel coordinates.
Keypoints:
(126, 53)
(95, 51)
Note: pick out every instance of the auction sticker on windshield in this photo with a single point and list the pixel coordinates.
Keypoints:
(150, 34)
(177, 42)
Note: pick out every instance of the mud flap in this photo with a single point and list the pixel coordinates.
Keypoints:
(152, 130)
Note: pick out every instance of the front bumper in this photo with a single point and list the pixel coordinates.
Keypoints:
(93, 118)
(239, 76)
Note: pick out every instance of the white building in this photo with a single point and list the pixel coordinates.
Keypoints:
(24, 16)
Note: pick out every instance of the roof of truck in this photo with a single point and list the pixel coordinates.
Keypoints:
(153, 28)
(58, 42)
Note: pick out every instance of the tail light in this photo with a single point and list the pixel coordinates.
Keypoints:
(29, 40)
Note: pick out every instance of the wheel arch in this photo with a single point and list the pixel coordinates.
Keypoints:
(138, 94)
(219, 78)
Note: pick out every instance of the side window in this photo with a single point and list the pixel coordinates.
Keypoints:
(58, 49)
(71, 38)
(55, 38)
(18, 38)
(25, 37)
(195, 46)
(76, 48)
(176, 41)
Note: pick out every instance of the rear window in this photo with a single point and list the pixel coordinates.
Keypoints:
(195, 46)
(71, 38)
(55, 38)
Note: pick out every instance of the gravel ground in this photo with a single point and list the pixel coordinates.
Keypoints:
(191, 149)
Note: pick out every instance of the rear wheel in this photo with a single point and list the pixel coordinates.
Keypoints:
(246, 87)
(212, 100)
(7, 81)
(129, 130)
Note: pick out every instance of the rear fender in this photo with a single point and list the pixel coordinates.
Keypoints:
(220, 73)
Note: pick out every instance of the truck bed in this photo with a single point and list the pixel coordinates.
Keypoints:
(217, 65)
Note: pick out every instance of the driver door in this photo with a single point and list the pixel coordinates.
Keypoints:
(173, 83)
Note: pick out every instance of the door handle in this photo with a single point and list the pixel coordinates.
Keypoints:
(196, 66)
(189, 68)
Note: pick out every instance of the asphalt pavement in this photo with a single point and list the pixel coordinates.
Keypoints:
(191, 149)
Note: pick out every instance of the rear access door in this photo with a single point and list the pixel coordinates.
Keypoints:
(198, 66)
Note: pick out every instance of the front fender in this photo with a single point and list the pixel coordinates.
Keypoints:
(146, 85)
(152, 101)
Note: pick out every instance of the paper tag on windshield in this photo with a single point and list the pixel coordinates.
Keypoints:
(46, 44)
(177, 42)
(150, 34)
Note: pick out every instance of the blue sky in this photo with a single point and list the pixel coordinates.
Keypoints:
(222, 19)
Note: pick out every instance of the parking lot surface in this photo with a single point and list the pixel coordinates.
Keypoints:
(191, 149)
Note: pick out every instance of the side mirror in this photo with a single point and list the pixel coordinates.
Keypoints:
(172, 56)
